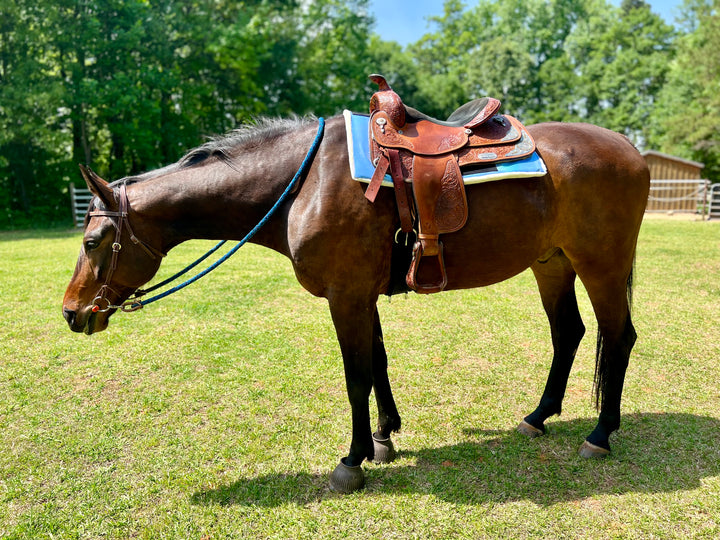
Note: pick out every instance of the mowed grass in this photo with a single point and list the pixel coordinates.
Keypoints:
(220, 412)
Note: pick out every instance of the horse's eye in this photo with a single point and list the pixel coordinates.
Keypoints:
(90, 245)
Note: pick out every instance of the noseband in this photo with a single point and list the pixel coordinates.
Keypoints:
(100, 303)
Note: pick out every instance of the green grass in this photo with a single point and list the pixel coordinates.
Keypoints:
(220, 412)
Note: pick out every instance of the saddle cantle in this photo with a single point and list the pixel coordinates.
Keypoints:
(425, 158)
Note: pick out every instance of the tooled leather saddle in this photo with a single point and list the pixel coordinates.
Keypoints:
(425, 158)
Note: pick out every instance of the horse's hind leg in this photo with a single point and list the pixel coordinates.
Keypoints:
(609, 295)
(556, 281)
(388, 416)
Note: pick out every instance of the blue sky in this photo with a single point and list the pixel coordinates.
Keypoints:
(405, 21)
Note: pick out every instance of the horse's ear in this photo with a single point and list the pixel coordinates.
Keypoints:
(99, 187)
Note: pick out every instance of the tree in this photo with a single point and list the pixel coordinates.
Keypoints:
(621, 60)
(128, 85)
(514, 50)
(31, 147)
(441, 58)
(565, 60)
(300, 58)
(687, 116)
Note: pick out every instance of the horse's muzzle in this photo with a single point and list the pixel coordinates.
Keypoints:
(70, 316)
(73, 321)
(87, 323)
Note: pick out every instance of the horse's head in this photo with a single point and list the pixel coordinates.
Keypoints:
(113, 262)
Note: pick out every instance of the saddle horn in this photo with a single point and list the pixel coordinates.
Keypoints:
(387, 100)
(380, 81)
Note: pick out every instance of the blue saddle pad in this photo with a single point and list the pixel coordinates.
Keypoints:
(362, 168)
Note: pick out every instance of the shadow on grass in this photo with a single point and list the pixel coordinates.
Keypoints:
(651, 453)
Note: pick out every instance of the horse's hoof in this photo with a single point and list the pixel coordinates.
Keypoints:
(384, 449)
(529, 430)
(345, 479)
(589, 450)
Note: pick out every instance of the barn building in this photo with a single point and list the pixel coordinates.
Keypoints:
(676, 184)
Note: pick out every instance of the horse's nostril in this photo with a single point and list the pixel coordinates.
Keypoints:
(69, 315)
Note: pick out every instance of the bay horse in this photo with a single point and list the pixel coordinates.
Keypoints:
(581, 219)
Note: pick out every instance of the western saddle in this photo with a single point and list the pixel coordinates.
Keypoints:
(424, 157)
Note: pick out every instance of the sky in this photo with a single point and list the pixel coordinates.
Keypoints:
(405, 21)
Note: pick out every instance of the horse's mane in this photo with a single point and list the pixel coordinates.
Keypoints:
(261, 131)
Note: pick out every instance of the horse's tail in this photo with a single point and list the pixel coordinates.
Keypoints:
(602, 361)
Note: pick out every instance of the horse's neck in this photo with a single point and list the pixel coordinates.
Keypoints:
(216, 200)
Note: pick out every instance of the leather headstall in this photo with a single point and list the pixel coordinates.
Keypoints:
(122, 220)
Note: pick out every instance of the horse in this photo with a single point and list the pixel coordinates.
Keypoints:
(581, 219)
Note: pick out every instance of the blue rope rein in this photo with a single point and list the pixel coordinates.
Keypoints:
(143, 292)
(136, 303)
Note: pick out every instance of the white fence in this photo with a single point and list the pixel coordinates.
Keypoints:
(79, 200)
(678, 196)
(714, 201)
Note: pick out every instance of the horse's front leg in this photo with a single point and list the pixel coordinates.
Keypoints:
(354, 323)
(388, 416)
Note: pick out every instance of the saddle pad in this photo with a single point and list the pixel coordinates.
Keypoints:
(362, 168)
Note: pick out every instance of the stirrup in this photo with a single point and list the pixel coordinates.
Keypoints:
(412, 276)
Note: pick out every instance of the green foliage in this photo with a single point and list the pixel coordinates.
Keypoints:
(574, 60)
(32, 154)
(130, 85)
(621, 62)
(688, 123)
(547, 60)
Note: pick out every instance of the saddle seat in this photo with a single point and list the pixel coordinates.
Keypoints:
(424, 157)
(463, 115)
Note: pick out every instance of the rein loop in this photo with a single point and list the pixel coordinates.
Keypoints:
(136, 302)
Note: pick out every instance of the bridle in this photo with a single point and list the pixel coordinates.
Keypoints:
(100, 303)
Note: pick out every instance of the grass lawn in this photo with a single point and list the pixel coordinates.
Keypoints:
(220, 412)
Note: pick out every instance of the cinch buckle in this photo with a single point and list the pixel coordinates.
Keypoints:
(407, 236)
